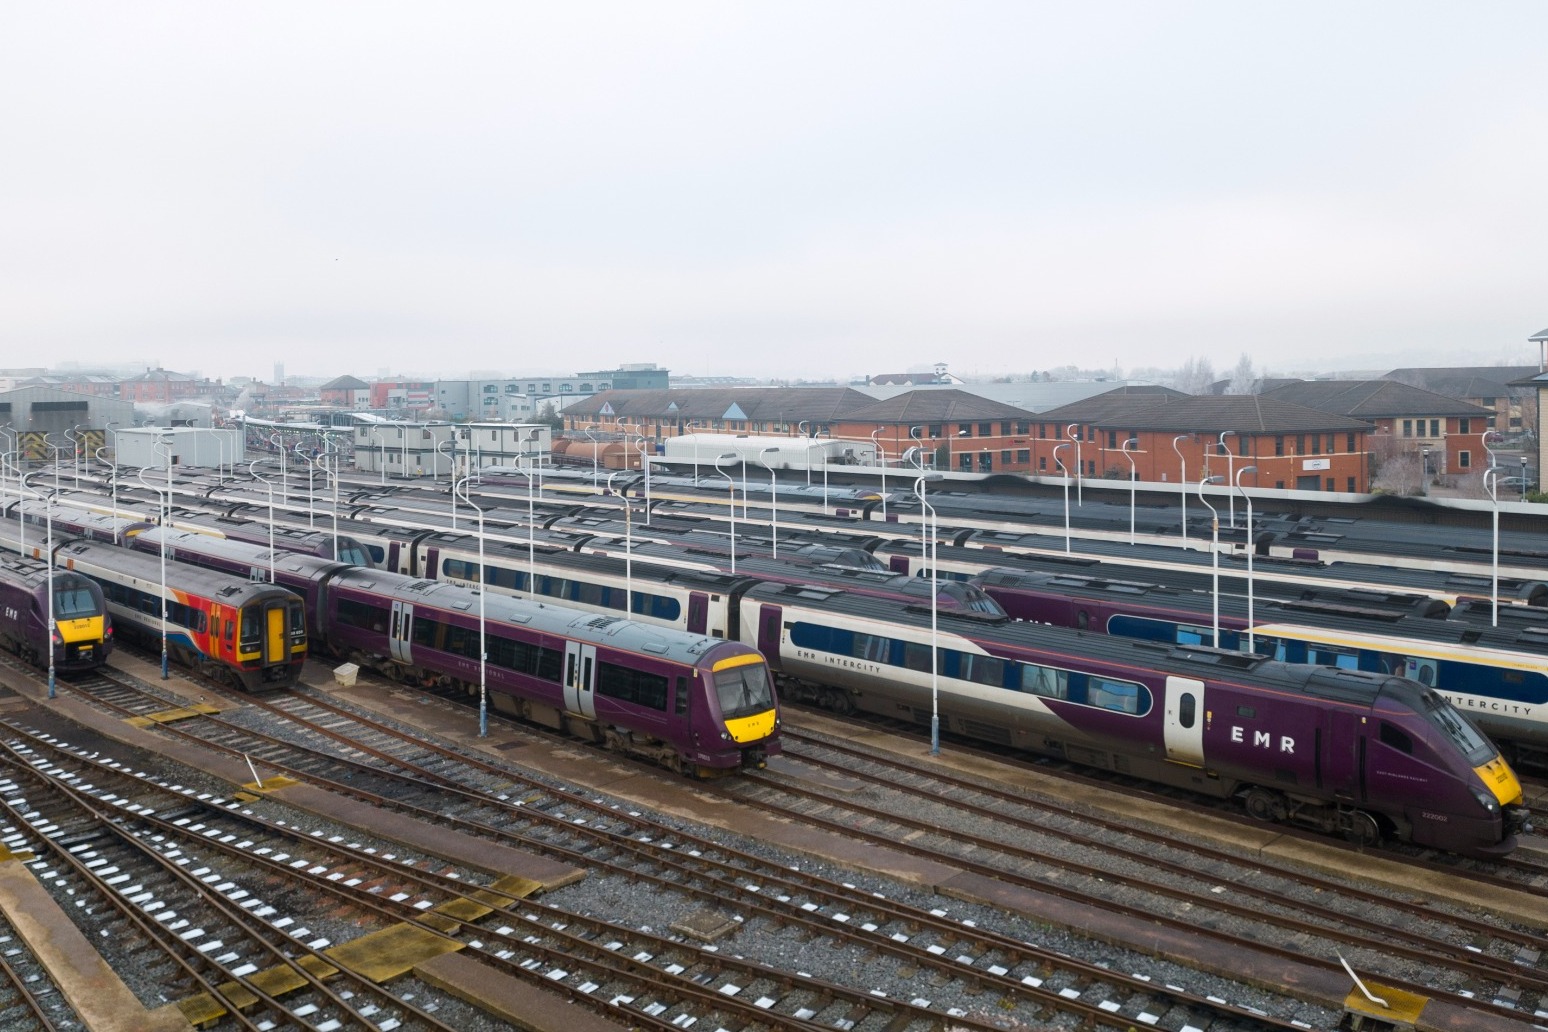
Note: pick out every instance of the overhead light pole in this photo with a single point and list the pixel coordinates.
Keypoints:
(917, 433)
(483, 646)
(644, 447)
(1214, 556)
(1491, 484)
(773, 500)
(1073, 433)
(1424, 477)
(1060, 463)
(1183, 482)
(453, 459)
(929, 546)
(1523, 477)
(628, 548)
(381, 451)
(278, 440)
(253, 469)
(1130, 456)
(163, 442)
(881, 458)
(1250, 549)
(1230, 475)
(48, 558)
(731, 488)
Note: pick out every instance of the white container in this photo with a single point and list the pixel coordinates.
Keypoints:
(345, 675)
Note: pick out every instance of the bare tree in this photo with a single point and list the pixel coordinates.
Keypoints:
(1242, 377)
(1195, 376)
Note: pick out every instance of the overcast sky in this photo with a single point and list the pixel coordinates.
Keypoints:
(775, 189)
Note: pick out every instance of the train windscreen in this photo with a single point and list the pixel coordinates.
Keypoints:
(1478, 749)
(743, 690)
(74, 603)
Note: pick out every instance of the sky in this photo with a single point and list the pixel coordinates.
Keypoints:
(788, 190)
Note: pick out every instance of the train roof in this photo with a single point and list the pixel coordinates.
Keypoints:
(196, 580)
(1060, 646)
(614, 631)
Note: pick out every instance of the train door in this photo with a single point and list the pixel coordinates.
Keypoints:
(769, 626)
(274, 644)
(432, 570)
(393, 551)
(400, 633)
(580, 676)
(897, 563)
(1341, 756)
(1185, 721)
(698, 612)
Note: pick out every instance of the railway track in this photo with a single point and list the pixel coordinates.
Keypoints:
(935, 967)
(1230, 905)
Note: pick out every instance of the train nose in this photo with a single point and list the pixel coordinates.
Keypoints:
(1518, 820)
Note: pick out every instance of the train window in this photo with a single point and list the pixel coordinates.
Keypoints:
(1397, 739)
(423, 631)
(1474, 746)
(1045, 681)
(250, 628)
(74, 603)
(873, 647)
(1187, 709)
(356, 614)
(982, 669)
(916, 656)
(1247, 711)
(682, 696)
(230, 630)
(1421, 670)
(297, 614)
(1324, 656)
(1119, 696)
(743, 690)
(636, 686)
(663, 607)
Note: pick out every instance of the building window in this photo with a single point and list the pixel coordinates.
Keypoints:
(1112, 438)
(1279, 444)
(1023, 427)
(1435, 428)
(1300, 444)
(1005, 457)
(1464, 460)
(1042, 463)
(1351, 487)
(1042, 431)
(1330, 484)
(1408, 428)
(965, 462)
(935, 429)
(1349, 443)
(1005, 429)
(1316, 444)
(1463, 424)
(1023, 456)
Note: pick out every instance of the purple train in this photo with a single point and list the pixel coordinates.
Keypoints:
(1362, 754)
(693, 703)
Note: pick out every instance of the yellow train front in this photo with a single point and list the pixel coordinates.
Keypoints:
(83, 633)
(244, 633)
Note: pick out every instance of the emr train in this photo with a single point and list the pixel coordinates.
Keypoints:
(83, 632)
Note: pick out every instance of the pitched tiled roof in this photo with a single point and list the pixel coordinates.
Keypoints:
(759, 404)
(1373, 399)
(1203, 413)
(345, 383)
(935, 406)
(1463, 381)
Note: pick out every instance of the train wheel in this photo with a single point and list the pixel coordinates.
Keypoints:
(1263, 805)
(1361, 829)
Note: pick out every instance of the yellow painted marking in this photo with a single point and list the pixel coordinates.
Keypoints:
(751, 729)
(85, 628)
(1501, 780)
(736, 661)
(380, 955)
(273, 784)
(1401, 1007)
(171, 716)
(6, 854)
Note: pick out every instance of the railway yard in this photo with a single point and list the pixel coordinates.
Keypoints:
(353, 853)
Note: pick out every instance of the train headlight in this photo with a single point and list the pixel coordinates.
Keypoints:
(1486, 800)
(725, 736)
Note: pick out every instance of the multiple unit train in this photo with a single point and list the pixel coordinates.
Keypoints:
(1348, 751)
(1343, 751)
(689, 701)
(82, 637)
